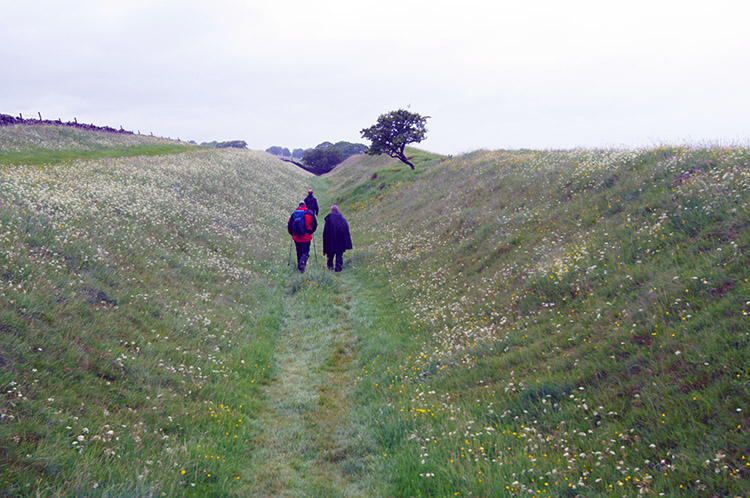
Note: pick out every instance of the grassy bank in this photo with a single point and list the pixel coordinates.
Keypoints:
(49, 144)
(565, 323)
(140, 308)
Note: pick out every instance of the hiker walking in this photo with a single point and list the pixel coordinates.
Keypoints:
(336, 238)
(301, 226)
(311, 202)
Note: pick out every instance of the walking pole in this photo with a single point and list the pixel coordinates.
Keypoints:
(315, 250)
(289, 259)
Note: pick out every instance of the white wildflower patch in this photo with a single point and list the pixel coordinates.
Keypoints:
(181, 239)
(474, 274)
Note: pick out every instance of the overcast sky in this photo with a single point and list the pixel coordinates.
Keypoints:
(492, 74)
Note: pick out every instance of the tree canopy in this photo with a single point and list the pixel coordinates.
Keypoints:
(394, 131)
(322, 159)
(279, 151)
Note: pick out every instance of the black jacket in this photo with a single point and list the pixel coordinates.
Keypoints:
(336, 237)
(312, 203)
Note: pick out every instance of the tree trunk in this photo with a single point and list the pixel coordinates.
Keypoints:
(405, 160)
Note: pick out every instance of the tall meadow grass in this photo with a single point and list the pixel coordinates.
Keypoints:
(139, 309)
(509, 323)
(570, 323)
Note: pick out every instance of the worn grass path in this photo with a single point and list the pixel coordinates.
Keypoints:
(309, 444)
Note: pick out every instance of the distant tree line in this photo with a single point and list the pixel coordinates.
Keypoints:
(321, 159)
(284, 152)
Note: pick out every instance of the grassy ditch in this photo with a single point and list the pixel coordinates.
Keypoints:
(525, 323)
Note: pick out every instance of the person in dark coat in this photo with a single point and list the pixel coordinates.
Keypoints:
(302, 240)
(336, 238)
(311, 202)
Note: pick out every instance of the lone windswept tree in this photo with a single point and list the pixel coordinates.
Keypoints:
(393, 132)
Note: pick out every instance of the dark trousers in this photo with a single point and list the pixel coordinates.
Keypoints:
(303, 252)
(339, 260)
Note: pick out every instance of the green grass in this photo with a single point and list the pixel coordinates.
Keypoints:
(373, 178)
(509, 323)
(50, 144)
(577, 323)
(42, 157)
(140, 312)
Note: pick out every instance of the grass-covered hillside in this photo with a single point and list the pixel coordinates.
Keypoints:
(509, 324)
(580, 321)
(137, 310)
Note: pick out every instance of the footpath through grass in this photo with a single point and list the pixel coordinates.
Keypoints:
(309, 441)
(153, 341)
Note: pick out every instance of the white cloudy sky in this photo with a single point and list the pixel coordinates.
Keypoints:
(490, 73)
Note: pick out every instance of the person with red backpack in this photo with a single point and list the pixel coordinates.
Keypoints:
(301, 226)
